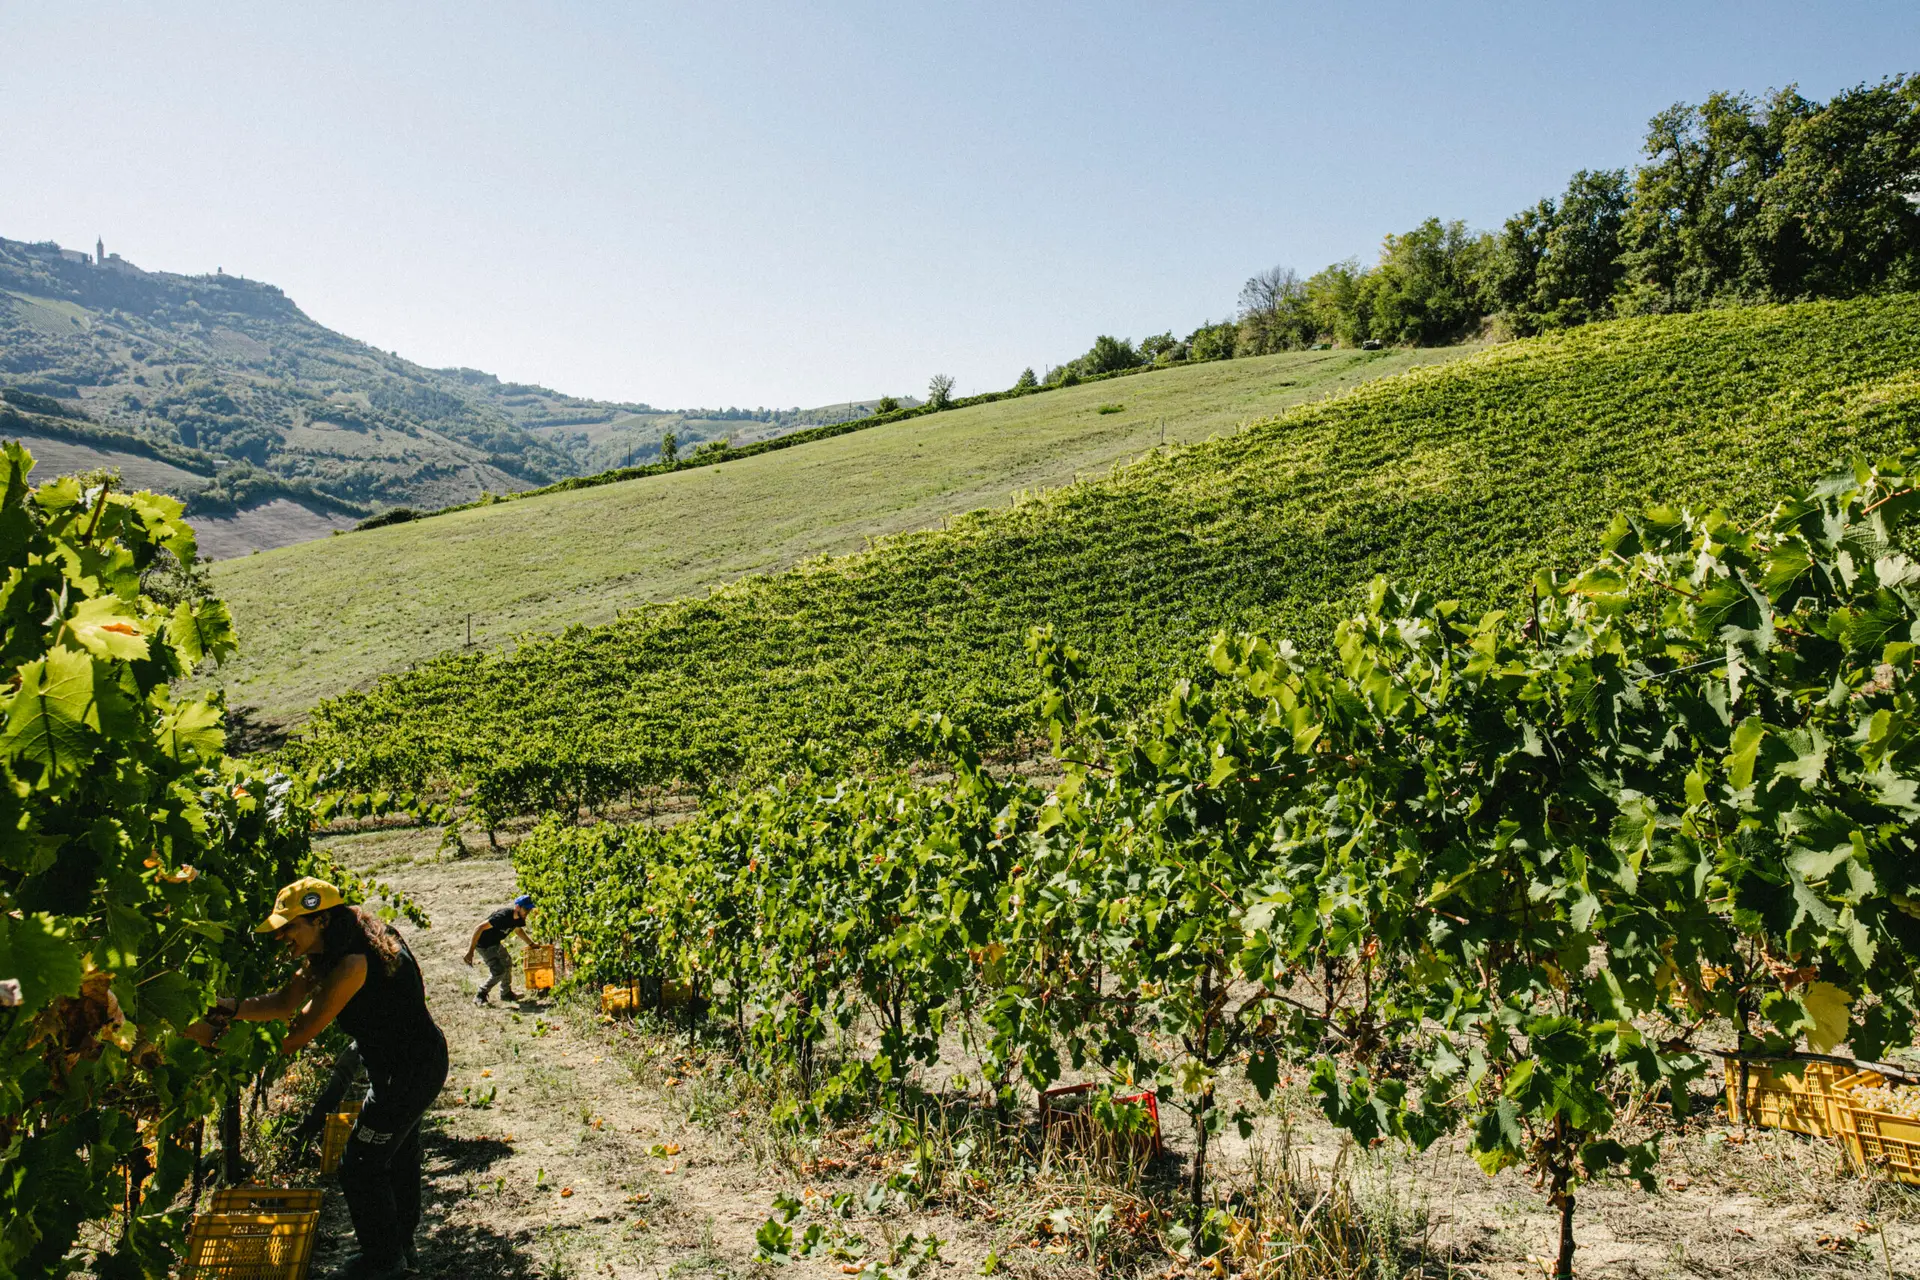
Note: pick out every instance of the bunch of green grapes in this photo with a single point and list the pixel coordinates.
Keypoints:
(1889, 1099)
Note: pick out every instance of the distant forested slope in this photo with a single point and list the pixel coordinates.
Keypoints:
(248, 400)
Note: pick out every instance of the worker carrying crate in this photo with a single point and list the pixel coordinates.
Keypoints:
(356, 969)
(490, 941)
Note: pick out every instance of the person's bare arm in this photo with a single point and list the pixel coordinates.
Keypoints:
(474, 942)
(339, 986)
(521, 933)
(276, 1006)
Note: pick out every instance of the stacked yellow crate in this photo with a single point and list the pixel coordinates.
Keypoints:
(253, 1233)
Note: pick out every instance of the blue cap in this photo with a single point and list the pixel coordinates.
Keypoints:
(524, 902)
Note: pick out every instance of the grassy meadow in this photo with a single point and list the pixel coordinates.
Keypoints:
(322, 617)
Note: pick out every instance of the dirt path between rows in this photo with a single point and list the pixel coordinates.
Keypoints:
(567, 1147)
(547, 1156)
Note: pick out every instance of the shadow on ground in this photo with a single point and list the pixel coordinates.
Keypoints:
(471, 1251)
(451, 1155)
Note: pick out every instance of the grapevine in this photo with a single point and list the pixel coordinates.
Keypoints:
(134, 854)
(1694, 761)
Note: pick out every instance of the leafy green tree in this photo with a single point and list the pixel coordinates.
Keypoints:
(886, 404)
(1108, 355)
(1431, 286)
(1339, 307)
(1213, 341)
(1275, 313)
(940, 391)
(1839, 208)
(1557, 264)
(1026, 381)
(1693, 233)
(669, 448)
(1160, 348)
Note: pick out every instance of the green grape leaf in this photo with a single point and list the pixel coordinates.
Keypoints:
(41, 953)
(1827, 1006)
(202, 631)
(171, 998)
(48, 720)
(193, 730)
(105, 628)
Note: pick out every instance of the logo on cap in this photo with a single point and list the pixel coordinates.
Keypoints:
(311, 901)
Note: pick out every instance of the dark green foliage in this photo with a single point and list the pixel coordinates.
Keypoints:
(1276, 314)
(1557, 264)
(1213, 341)
(1472, 476)
(1742, 201)
(245, 485)
(32, 403)
(1161, 348)
(82, 430)
(1108, 355)
(940, 392)
(394, 515)
(1025, 382)
(1429, 287)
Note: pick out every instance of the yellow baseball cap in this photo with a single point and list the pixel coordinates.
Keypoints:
(301, 898)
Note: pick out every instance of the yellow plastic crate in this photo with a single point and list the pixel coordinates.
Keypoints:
(267, 1200)
(249, 1246)
(333, 1139)
(542, 966)
(632, 997)
(1877, 1141)
(1776, 1098)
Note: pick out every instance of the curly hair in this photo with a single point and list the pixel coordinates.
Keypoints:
(349, 930)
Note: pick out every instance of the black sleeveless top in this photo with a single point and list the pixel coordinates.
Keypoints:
(388, 1019)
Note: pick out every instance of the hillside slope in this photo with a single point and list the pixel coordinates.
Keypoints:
(327, 617)
(1467, 477)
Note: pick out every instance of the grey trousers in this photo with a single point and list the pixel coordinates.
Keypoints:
(499, 970)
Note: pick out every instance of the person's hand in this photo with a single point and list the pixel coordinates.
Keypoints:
(469, 959)
(214, 1025)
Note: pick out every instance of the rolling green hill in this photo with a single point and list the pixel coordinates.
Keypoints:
(322, 618)
(1470, 476)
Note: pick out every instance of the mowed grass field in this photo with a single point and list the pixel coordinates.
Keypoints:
(327, 616)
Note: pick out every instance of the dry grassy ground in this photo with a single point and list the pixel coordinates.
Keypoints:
(622, 1150)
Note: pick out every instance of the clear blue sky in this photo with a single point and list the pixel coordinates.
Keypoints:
(759, 204)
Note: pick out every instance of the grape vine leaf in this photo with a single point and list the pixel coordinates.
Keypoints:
(1827, 1005)
(48, 721)
(35, 950)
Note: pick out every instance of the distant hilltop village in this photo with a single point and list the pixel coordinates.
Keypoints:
(100, 258)
(107, 280)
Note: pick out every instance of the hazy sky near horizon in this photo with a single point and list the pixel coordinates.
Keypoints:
(760, 204)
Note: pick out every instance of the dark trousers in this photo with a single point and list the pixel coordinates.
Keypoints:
(380, 1173)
